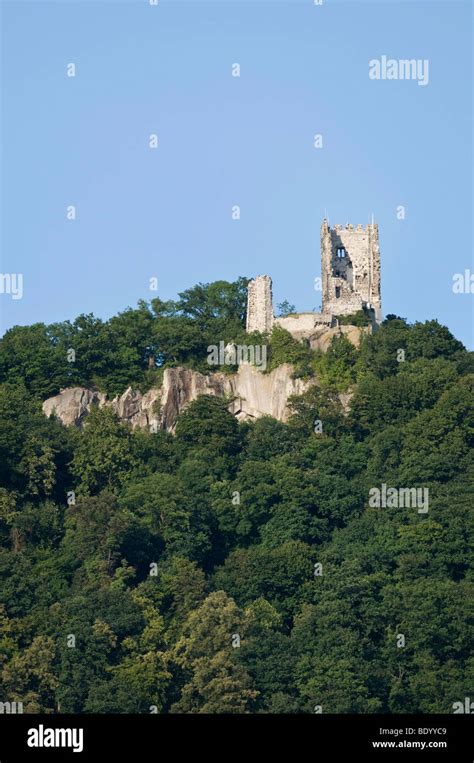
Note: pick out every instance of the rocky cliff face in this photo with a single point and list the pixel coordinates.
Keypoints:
(73, 404)
(252, 392)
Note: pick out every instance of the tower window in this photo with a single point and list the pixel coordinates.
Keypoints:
(341, 252)
(338, 292)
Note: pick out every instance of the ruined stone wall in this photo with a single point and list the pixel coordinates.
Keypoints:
(352, 281)
(303, 325)
(260, 305)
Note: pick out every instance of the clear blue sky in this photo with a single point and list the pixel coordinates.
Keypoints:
(225, 141)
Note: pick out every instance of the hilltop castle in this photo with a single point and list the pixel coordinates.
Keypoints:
(350, 281)
(350, 277)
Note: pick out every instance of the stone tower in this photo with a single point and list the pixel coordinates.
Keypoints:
(350, 269)
(260, 305)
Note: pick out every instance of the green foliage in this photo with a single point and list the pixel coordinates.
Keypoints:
(128, 349)
(379, 351)
(266, 437)
(146, 572)
(285, 308)
(104, 455)
(215, 681)
(336, 368)
(360, 318)
(30, 356)
(396, 399)
(277, 574)
(317, 405)
(34, 451)
(207, 423)
(284, 348)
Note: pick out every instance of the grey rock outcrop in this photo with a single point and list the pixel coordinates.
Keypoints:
(257, 394)
(251, 394)
(73, 404)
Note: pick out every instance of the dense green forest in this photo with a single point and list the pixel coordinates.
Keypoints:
(234, 567)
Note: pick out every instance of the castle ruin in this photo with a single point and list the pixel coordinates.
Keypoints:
(350, 276)
(350, 269)
(260, 305)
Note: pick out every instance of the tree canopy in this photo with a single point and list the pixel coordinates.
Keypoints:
(236, 567)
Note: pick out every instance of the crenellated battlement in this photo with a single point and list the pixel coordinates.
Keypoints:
(350, 227)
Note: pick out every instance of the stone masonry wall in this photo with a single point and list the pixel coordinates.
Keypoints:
(352, 281)
(260, 305)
